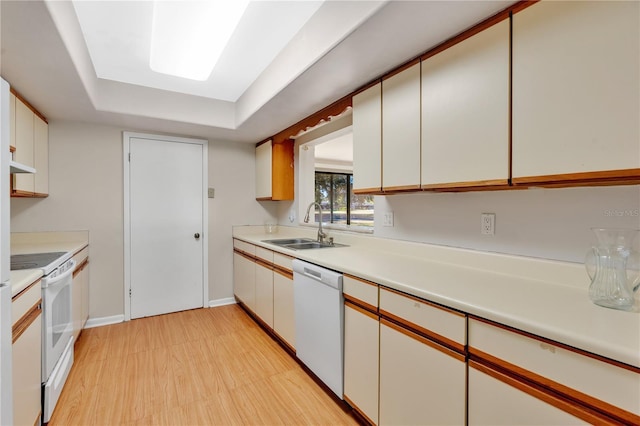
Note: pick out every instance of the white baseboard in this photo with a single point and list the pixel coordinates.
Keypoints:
(99, 322)
(222, 302)
(115, 319)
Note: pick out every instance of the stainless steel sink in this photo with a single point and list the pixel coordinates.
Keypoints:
(287, 241)
(301, 243)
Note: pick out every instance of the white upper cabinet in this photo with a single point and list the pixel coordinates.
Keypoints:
(576, 89)
(41, 155)
(401, 130)
(24, 182)
(465, 112)
(367, 140)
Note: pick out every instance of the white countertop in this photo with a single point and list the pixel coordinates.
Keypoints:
(543, 297)
(42, 242)
(23, 279)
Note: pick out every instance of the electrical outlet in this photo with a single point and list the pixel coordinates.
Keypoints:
(388, 219)
(488, 224)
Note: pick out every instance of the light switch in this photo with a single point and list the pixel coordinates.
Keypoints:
(212, 192)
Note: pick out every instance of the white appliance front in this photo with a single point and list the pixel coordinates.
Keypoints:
(53, 386)
(319, 320)
(6, 383)
(56, 311)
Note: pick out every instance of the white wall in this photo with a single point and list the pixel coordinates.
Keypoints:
(86, 193)
(545, 223)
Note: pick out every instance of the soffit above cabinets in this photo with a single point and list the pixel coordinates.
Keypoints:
(342, 46)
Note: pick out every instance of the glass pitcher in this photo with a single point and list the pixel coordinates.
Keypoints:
(614, 268)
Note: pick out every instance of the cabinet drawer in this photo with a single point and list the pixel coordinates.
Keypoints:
(447, 326)
(362, 290)
(245, 247)
(264, 254)
(594, 377)
(25, 300)
(283, 261)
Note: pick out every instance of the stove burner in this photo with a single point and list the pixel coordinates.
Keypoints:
(34, 260)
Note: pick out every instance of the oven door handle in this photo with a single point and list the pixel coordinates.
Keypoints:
(53, 281)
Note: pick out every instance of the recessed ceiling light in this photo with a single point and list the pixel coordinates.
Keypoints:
(188, 37)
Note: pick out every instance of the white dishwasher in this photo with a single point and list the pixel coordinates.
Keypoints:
(319, 315)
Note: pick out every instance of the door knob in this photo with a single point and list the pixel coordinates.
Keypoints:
(196, 235)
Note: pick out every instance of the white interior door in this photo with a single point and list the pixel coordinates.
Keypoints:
(166, 226)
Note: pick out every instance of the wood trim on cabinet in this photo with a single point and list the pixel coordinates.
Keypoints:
(81, 266)
(558, 344)
(584, 413)
(28, 105)
(476, 185)
(368, 191)
(357, 410)
(244, 254)
(263, 263)
(26, 289)
(312, 120)
(388, 190)
(363, 310)
(362, 280)
(284, 272)
(425, 340)
(614, 177)
(400, 68)
(426, 302)
(26, 320)
(423, 332)
(515, 373)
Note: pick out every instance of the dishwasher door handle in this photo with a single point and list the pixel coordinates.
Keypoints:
(316, 275)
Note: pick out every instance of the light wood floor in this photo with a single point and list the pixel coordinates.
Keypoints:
(202, 367)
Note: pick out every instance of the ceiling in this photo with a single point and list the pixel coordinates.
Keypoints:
(342, 46)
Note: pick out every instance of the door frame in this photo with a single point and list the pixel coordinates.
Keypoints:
(126, 137)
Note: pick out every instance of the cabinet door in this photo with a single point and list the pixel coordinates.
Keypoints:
(420, 382)
(263, 171)
(283, 311)
(41, 155)
(361, 361)
(26, 374)
(264, 293)
(367, 140)
(401, 130)
(244, 280)
(576, 91)
(12, 120)
(465, 112)
(24, 182)
(85, 295)
(76, 303)
(493, 402)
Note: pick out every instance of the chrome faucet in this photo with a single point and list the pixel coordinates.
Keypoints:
(321, 235)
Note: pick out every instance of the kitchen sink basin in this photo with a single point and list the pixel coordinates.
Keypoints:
(301, 243)
(287, 241)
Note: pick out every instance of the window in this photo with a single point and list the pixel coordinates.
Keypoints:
(325, 176)
(334, 192)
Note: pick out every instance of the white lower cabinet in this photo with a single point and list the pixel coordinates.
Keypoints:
(244, 280)
(264, 293)
(283, 309)
(80, 292)
(26, 356)
(421, 383)
(494, 402)
(361, 360)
